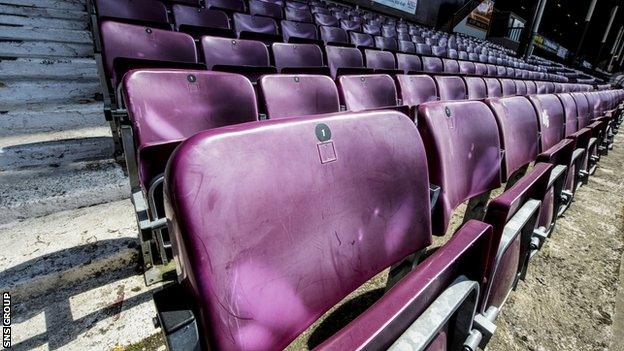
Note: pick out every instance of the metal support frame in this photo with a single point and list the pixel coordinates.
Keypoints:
(459, 300)
(475, 209)
(176, 319)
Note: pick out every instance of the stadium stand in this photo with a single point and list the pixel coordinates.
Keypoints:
(254, 187)
(282, 153)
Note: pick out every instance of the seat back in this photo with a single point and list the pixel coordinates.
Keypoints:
(193, 20)
(450, 66)
(326, 20)
(298, 15)
(416, 89)
(333, 35)
(384, 43)
(127, 41)
(152, 12)
(263, 8)
(361, 39)
(531, 87)
(518, 130)
(245, 199)
(408, 63)
(234, 52)
(250, 25)
(370, 91)
(551, 119)
(432, 64)
(227, 5)
(288, 55)
(582, 106)
(379, 59)
(493, 86)
(287, 95)
(343, 57)
(571, 113)
(466, 67)
(521, 88)
(450, 87)
(475, 88)
(508, 87)
(463, 153)
(168, 106)
(480, 69)
(298, 30)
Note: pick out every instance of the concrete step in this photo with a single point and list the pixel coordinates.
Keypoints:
(42, 22)
(55, 148)
(74, 5)
(58, 68)
(42, 190)
(51, 118)
(74, 280)
(19, 93)
(75, 15)
(32, 49)
(28, 33)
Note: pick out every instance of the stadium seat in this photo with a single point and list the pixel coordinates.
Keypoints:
(345, 60)
(287, 95)
(256, 27)
(333, 35)
(248, 265)
(199, 21)
(432, 64)
(380, 61)
(146, 12)
(475, 88)
(508, 87)
(184, 103)
(365, 92)
(493, 86)
(463, 153)
(298, 58)
(409, 64)
(450, 88)
(247, 57)
(415, 90)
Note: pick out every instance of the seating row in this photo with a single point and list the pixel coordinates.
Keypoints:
(325, 27)
(273, 222)
(147, 145)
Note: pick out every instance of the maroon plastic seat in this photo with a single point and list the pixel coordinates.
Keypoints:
(167, 106)
(582, 138)
(344, 60)
(582, 105)
(257, 268)
(416, 89)
(521, 88)
(493, 86)
(463, 153)
(384, 43)
(408, 63)
(450, 66)
(491, 70)
(508, 87)
(150, 12)
(298, 31)
(200, 21)
(501, 71)
(298, 15)
(379, 60)
(450, 88)
(365, 92)
(326, 20)
(371, 29)
(263, 8)
(553, 147)
(333, 35)
(423, 49)
(247, 57)
(298, 58)
(432, 64)
(407, 47)
(126, 46)
(388, 31)
(226, 5)
(519, 131)
(475, 88)
(286, 95)
(466, 67)
(361, 40)
(350, 26)
(255, 27)
(530, 87)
